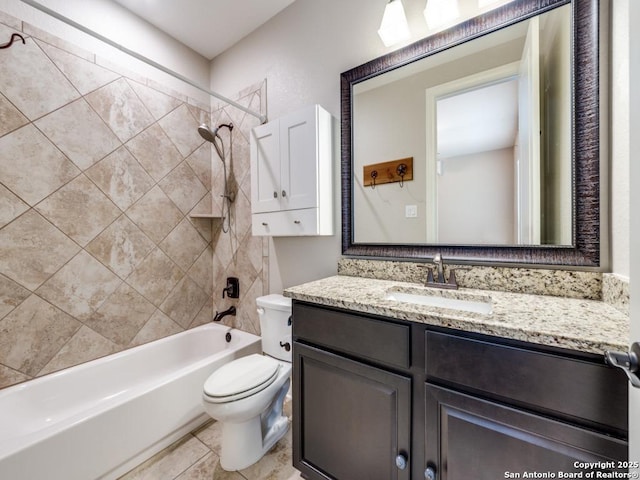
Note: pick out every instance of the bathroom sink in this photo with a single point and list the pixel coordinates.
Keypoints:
(465, 303)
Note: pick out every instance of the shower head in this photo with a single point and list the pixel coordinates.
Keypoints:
(206, 133)
(213, 137)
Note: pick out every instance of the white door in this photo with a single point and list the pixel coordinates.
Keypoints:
(528, 171)
(265, 168)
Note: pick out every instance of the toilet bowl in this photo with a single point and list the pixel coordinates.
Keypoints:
(247, 395)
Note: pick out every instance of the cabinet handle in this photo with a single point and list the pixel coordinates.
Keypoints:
(629, 363)
(284, 193)
(264, 224)
(430, 473)
(297, 222)
(401, 462)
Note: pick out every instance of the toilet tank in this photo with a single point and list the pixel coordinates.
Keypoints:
(275, 325)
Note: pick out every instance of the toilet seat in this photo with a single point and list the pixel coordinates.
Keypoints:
(241, 378)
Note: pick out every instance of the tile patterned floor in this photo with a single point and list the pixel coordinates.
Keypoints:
(196, 457)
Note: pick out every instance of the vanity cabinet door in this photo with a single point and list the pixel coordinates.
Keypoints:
(351, 420)
(470, 438)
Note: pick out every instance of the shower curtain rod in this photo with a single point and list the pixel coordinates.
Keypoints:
(142, 58)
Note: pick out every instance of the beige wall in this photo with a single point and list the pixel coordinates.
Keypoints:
(301, 52)
(99, 171)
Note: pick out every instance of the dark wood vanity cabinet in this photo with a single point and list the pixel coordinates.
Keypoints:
(352, 404)
(497, 411)
(445, 404)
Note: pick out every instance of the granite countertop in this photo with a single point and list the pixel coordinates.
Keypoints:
(577, 324)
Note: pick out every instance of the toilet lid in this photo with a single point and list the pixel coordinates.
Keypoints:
(241, 378)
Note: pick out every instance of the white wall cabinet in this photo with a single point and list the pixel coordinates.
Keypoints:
(291, 175)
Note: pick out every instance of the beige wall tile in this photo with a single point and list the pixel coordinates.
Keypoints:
(183, 187)
(201, 271)
(182, 128)
(10, 206)
(32, 167)
(32, 250)
(9, 376)
(200, 162)
(158, 326)
(121, 316)
(155, 277)
(184, 302)
(73, 127)
(155, 214)
(160, 132)
(34, 95)
(11, 295)
(32, 334)
(158, 103)
(121, 178)
(10, 117)
(119, 106)
(84, 346)
(79, 209)
(85, 75)
(80, 287)
(155, 152)
(121, 247)
(183, 245)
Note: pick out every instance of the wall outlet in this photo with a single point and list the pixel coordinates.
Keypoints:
(410, 211)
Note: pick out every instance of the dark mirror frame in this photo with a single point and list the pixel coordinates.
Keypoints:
(585, 248)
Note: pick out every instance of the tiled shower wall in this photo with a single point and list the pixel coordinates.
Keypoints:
(99, 172)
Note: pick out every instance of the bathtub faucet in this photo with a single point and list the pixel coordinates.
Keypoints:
(220, 315)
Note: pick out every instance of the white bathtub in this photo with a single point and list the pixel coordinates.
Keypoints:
(102, 418)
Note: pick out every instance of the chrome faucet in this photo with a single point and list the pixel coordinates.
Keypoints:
(437, 261)
(439, 281)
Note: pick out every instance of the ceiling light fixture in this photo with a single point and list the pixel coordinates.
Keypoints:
(394, 27)
(438, 13)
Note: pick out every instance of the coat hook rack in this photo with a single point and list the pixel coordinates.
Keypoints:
(13, 39)
(395, 171)
(401, 170)
(374, 175)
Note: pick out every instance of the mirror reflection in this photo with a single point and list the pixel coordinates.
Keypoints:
(488, 125)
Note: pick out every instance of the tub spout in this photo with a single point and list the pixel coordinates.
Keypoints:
(220, 315)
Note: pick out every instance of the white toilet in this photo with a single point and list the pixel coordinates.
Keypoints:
(247, 394)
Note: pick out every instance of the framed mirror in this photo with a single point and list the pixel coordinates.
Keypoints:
(499, 121)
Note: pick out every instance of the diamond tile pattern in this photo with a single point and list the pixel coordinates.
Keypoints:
(98, 174)
(79, 209)
(74, 126)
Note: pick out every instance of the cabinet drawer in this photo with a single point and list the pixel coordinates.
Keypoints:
(366, 337)
(286, 223)
(579, 390)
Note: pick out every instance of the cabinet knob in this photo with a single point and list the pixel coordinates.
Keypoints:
(401, 462)
(284, 193)
(430, 473)
(275, 194)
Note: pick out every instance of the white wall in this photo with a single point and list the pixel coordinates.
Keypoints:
(301, 52)
(632, 10)
(476, 195)
(116, 23)
(620, 135)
